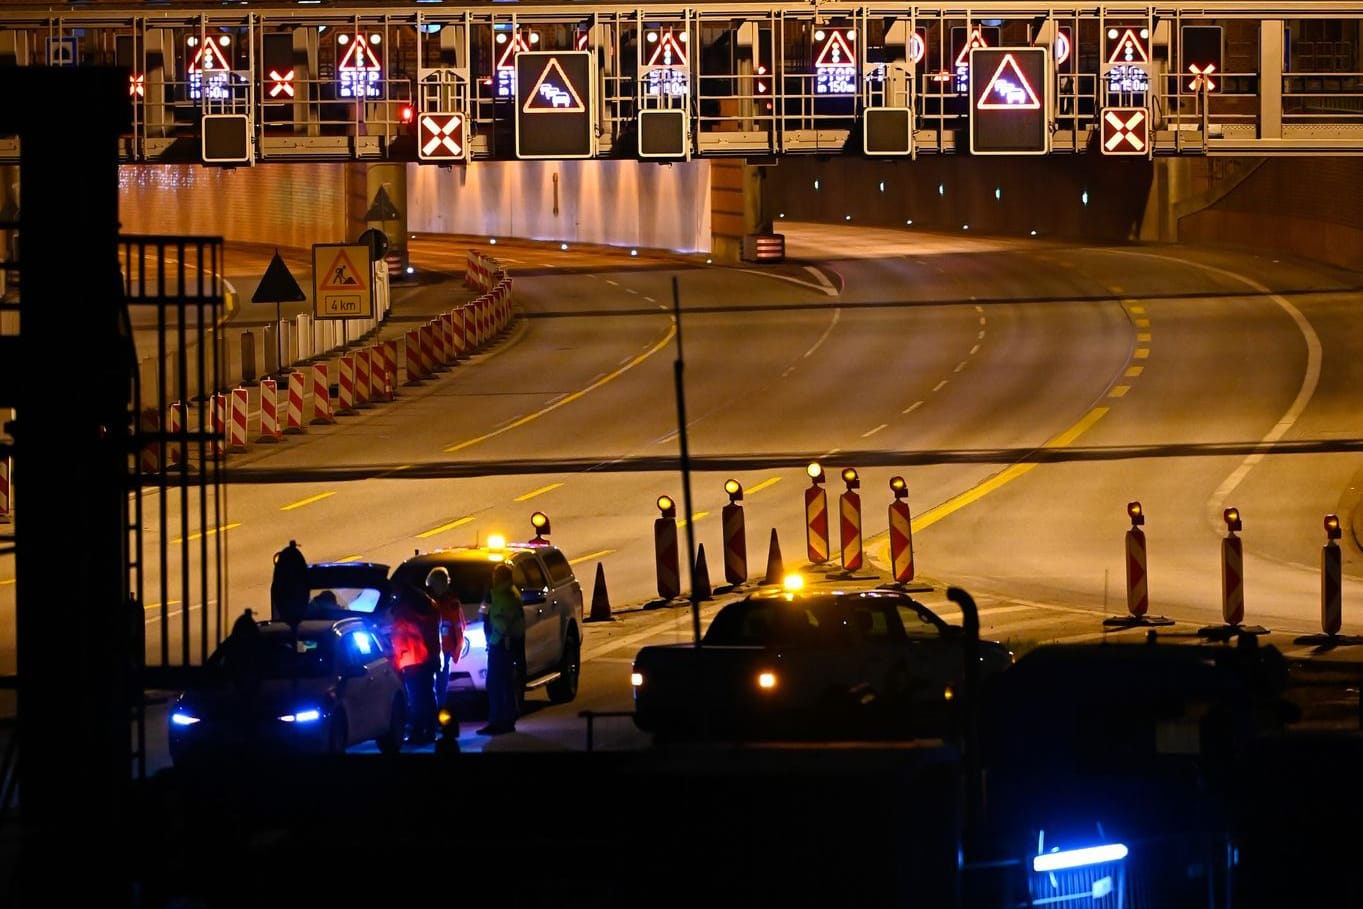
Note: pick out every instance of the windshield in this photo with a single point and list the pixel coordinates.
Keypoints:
(777, 623)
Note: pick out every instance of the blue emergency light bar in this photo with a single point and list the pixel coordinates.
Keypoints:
(1079, 858)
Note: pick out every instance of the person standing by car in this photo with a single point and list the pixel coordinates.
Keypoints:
(451, 633)
(505, 628)
(415, 638)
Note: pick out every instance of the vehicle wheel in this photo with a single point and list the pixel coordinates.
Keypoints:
(391, 741)
(564, 688)
(338, 736)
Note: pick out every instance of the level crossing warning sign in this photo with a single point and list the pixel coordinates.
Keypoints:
(342, 288)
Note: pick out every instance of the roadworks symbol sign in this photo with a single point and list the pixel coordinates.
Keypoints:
(341, 274)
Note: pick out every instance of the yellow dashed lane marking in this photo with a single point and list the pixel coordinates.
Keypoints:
(568, 399)
(1119, 391)
(195, 536)
(460, 522)
(1006, 476)
(538, 492)
(1133, 371)
(1142, 353)
(308, 501)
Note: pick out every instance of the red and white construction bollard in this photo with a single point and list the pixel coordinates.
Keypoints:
(269, 412)
(1232, 570)
(1233, 581)
(665, 549)
(1137, 590)
(321, 394)
(901, 533)
(216, 447)
(1137, 586)
(293, 410)
(236, 428)
(849, 524)
(1331, 582)
(345, 386)
(389, 351)
(816, 515)
(5, 495)
(412, 356)
(735, 535)
(362, 377)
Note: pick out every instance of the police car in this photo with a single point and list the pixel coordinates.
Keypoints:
(550, 593)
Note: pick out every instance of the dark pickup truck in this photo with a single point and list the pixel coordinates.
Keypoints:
(809, 665)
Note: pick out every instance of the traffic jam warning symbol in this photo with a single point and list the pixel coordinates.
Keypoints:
(555, 105)
(1010, 105)
(440, 137)
(553, 93)
(1125, 131)
(1008, 89)
(342, 287)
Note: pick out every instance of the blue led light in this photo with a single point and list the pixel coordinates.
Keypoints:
(302, 716)
(180, 718)
(363, 642)
(1079, 858)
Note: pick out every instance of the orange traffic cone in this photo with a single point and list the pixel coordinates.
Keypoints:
(700, 578)
(601, 607)
(775, 569)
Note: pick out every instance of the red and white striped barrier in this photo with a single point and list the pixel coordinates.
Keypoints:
(321, 394)
(389, 353)
(412, 357)
(216, 447)
(427, 349)
(345, 387)
(849, 530)
(269, 412)
(901, 539)
(667, 557)
(236, 428)
(735, 544)
(816, 524)
(5, 495)
(362, 377)
(293, 412)
(461, 345)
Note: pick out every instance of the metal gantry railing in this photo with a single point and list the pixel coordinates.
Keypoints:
(326, 82)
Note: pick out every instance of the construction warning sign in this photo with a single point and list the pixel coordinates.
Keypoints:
(341, 285)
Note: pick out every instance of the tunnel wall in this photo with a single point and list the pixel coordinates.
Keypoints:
(1300, 206)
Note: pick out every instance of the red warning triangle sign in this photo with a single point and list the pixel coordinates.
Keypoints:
(360, 56)
(1129, 49)
(513, 47)
(341, 274)
(976, 39)
(553, 93)
(669, 52)
(836, 52)
(1008, 89)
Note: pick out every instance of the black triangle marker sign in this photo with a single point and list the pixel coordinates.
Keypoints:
(277, 284)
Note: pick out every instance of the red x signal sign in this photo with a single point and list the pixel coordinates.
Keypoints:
(1125, 131)
(137, 86)
(281, 84)
(1202, 77)
(440, 137)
